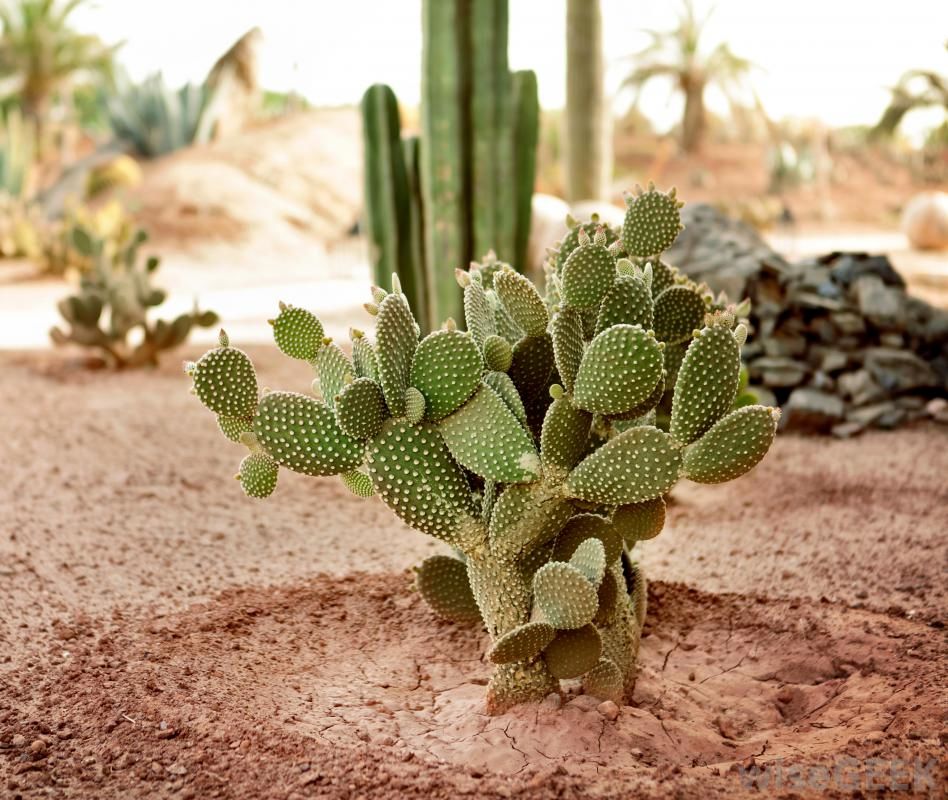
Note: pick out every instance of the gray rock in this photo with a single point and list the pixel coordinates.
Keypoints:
(849, 267)
(880, 304)
(860, 387)
(778, 372)
(834, 361)
(784, 346)
(846, 430)
(848, 322)
(900, 370)
(871, 414)
(812, 411)
(892, 339)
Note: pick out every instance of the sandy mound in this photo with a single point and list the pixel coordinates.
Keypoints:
(273, 691)
(296, 176)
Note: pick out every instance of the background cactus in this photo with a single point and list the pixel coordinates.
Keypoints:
(114, 296)
(527, 444)
(588, 129)
(465, 186)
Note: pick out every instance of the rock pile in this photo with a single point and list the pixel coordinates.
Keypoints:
(836, 340)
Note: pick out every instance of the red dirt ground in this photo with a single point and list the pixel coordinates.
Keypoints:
(163, 636)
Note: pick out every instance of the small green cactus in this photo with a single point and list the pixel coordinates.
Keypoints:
(538, 445)
(113, 300)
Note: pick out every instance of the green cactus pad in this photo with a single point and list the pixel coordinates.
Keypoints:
(258, 475)
(619, 370)
(707, 383)
(414, 405)
(604, 681)
(446, 369)
(628, 302)
(501, 383)
(567, 332)
(506, 327)
(335, 372)
(652, 223)
(674, 355)
(498, 354)
(396, 337)
(571, 241)
(532, 366)
(364, 359)
(360, 408)
(478, 314)
(583, 527)
(573, 652)
(646, 406)
(525, 517)
(679, 311)
(298, 333)
(587, 276)
(608, 593)
(358, 483)
(442, 582)
(416, 476)
(564, 595)
(637, 522)
(225, 381)
(234, 427)
(565, 434)
(301, 433)
(522, 301)
(522, 643)
(735, 445)
(486, 438)
(639, 464)
(663, 276)
(590, 559)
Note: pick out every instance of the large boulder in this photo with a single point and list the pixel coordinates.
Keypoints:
(925, 221)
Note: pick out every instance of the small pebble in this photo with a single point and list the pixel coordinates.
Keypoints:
(609, 710)
(38, 747)
(19, 740)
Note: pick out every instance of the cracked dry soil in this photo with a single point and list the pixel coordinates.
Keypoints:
(161, 636)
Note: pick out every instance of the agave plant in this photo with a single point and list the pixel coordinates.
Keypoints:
(154, 120)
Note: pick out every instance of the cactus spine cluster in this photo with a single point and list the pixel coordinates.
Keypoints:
(527, 444)
(114, 296)
(465, 186)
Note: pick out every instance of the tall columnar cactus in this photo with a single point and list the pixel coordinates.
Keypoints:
(588, 145)
(476, 159)
(526, 444)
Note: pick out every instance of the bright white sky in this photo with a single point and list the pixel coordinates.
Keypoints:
(830, 59)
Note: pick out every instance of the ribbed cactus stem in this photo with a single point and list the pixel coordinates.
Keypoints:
(387, 190)
(587, 137)
(526, 133)
(443, 163)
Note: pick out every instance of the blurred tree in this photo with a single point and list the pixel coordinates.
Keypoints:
(676, 55)
(588, 138)
(917, 88)
(41, 55)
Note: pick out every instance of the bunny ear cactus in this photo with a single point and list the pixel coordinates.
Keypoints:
(113, 300)
(528, 444)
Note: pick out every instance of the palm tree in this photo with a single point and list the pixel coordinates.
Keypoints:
(41, 54)
(676, 54)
